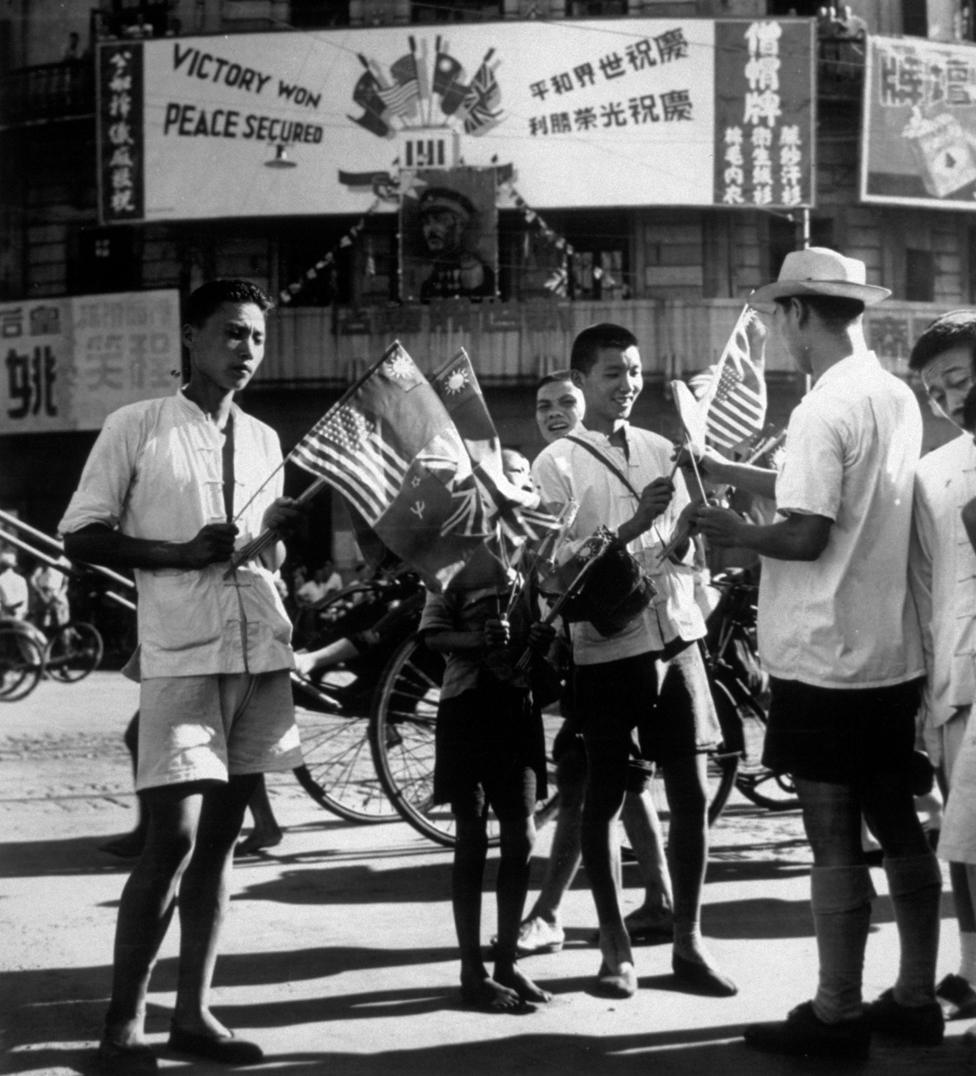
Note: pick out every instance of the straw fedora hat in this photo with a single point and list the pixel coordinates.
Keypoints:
(820, 271)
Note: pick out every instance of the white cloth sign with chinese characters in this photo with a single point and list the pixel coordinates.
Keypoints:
(68, 362)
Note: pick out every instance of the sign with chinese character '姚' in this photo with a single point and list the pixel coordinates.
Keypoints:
(67, 363)
(621, 112)
(919, 126)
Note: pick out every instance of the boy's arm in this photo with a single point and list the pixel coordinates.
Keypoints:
(98, 543)
(969, 521)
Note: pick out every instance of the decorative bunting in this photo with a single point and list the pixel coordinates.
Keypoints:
(328, 259)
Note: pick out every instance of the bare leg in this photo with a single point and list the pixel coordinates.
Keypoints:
(129, 845)
(204, 896)
(643, 829)
(607, 769)
(147, 905)
(517, 840)
(266, 832)
(478, 988)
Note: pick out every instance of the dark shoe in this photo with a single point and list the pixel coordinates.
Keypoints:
(225, 1048)
(956, 997)
(702, 978)
(804, 1034)
(920, 1024)
(117, 1059)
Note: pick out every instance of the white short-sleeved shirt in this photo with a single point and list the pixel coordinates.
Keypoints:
(156, 472)
(846, 619)
(942, 571)
(564, 471)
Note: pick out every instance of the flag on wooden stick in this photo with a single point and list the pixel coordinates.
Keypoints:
(732, 393)
(391, 449)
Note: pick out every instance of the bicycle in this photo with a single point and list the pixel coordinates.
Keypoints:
(73, 650)
(740, 690)
(21, 659)
(333, 711)
(401, 737)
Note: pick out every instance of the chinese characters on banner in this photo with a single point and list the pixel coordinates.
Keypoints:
(919, 124)
(603, 112)
(567, 117)
(120, 97)
(764, 114)
(67, 363)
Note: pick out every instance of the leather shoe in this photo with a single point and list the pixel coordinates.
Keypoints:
(956, 997)
(921, 1024)
(225, 1048)
(701, 978)
(804, 1034)
(118, 1059)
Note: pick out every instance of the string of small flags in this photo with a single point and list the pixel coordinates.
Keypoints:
(557, 282)
(327, 260)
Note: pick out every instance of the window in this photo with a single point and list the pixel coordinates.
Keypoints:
(919, 276)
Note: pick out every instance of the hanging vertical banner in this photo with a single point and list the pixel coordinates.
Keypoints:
(121, 172)
(590, 112)
(765, 95)
(919, 125)
(448, 234)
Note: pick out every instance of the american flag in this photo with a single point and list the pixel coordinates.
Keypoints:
(732, 393)
(348, 447)
(401, 98)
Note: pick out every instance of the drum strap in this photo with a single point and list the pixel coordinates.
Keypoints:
(609, 464)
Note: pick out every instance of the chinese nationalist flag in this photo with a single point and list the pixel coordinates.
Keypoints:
(391, 449)
(515, 516)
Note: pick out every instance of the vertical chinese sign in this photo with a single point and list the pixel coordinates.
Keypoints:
(67, 363)
(121, 150)
(764, 113)
(919, 125)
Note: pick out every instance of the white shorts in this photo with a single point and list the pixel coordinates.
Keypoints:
(957, 841)
(943, 744)
(204, 728)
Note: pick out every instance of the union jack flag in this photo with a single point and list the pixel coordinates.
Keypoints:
(482, 98)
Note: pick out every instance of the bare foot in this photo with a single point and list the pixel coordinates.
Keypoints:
(489, 996)
(516, 979)
(256, 841)
(616, 980)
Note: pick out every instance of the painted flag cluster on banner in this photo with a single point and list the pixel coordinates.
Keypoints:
(391, 449)
(732, 393)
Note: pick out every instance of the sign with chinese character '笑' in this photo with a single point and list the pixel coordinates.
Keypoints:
(68, 363)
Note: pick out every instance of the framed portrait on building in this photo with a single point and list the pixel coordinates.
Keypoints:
(448, 234)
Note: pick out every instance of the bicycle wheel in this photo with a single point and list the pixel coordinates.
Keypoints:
(21, 664)
(774, 791)
(74, 651)
(338, 771)
(401, 732)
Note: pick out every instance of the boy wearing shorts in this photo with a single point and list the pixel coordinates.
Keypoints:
(170, 487)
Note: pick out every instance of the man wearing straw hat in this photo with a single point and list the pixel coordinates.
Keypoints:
(168, 489)
(839, 637)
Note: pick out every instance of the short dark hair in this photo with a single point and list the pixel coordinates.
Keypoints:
(593, 339)
(212, 295)
(553, 378)
(836, 311)
(955, 329)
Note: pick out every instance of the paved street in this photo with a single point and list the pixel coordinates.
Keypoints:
(339, 953)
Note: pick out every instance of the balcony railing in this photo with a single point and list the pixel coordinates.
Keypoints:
(47, 92)
(515, 343)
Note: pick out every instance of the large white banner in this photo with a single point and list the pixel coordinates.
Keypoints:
(596, 113)
(69, 362)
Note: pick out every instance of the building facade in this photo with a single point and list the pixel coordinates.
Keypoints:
(676, 270)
